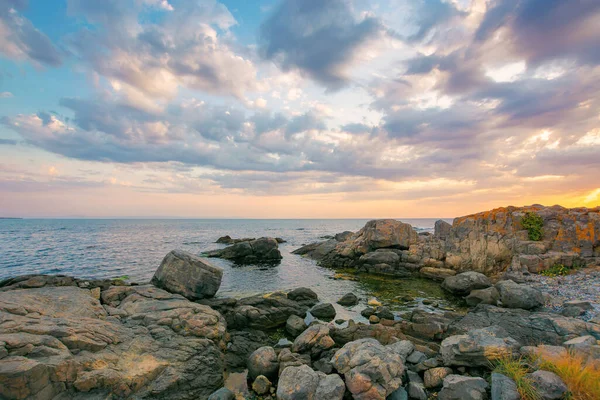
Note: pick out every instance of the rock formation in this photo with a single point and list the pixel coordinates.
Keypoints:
(250, 251)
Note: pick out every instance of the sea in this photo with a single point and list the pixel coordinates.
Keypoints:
(134, 248)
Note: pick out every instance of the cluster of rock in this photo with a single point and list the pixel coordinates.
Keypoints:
(491, 242)
(249, 251)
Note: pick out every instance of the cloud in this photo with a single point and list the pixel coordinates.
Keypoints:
(186, 47)
(6, 95)
(20, 40)
(8, 142)
(320, 38)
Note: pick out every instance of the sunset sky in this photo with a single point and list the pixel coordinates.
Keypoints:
(297, 108)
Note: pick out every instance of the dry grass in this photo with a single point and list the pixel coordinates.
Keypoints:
(517, 369)
(583, 380)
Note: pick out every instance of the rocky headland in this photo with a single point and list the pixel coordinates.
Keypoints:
(69, 338)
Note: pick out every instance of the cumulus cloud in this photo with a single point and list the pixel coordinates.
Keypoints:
(5, 95)
(320, 38)
(20, 40)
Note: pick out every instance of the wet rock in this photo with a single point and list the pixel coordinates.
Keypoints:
(295, 325)
(483, 296)
(324, 311)
(228, 240)
(264, 249)
(398, 394)
(514, 295)
(303, 295)
(261, 385)
(548, 384)
(222, 394)
(457, 387)
(371, 371)
(263, 361)
(462, 284)
(373, 302)
(504, 388)
(435, 377)
(349, 299)
(314, 340)
(374, 319)
(241, 345)
(384, 313)
(190, 276)
(478, 347)
(367, 312)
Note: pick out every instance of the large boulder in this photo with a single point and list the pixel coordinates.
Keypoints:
(295, 325)
(324, 311)
(483, 296)
(140, 342)
(463, 284)
(457, 387)
(515, 295)
(188, 275)
(504, 388)
(314, 340)
(264, 249)
(478, 347)
(381, 234)
(548, 385)
(370, 369)
(348, 300)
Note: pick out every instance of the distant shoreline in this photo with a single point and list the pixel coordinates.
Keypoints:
(10, 218)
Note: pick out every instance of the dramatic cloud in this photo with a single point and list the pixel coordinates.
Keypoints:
(20, 40)
(320, 38)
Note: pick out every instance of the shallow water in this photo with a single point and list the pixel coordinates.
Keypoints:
(135, 248)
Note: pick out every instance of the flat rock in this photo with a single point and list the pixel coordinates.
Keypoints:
(457, 387)
(515, 295)
(478, 347)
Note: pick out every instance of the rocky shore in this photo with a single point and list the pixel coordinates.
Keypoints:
(68, 338)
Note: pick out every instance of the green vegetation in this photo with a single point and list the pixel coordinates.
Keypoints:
(557, 270)
(121, 278)
(533, 223)
(517, 369)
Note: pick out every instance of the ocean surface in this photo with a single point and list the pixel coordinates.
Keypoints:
(108, 248)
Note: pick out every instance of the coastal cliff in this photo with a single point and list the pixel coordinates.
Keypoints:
(491, 242)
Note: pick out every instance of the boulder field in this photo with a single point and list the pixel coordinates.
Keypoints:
(491, 242)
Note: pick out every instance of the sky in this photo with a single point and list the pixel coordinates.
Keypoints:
(297, 108)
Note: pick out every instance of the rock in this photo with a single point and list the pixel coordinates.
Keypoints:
(349, 299)
(280, 240)
(548, 384)
(299, 383)
(261, 385)
(582, 345)
(483, 296)
(398, 394)
(504, 388)
(222, 394)
(379, 257)
(367, 312)
(514, 295)
(463, 284)
(437, 274)
(303, 295)
(384, 313)
(263, 312)
(61, 342)
(237, 383)
(416, 391)
(478, 347)
(457, 387)
(314, 340)
(435, 377)
(544, 351)
(331, 387)
(403, 348)
(288, 359)
(324, 311)
(295, 325)
(442, 229)
(190, 276)
(264, 249)
(371, 371)
(576, 308)
(241, 345)
(416, 357)
(374, 319)
(343, 236)
(374, 302)
(263, 361)
(525, 326)
(383, 233)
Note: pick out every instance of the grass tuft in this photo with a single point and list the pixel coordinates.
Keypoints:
(582, 379)
(517, 369)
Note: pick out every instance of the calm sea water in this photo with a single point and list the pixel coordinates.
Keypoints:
(102, 248)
